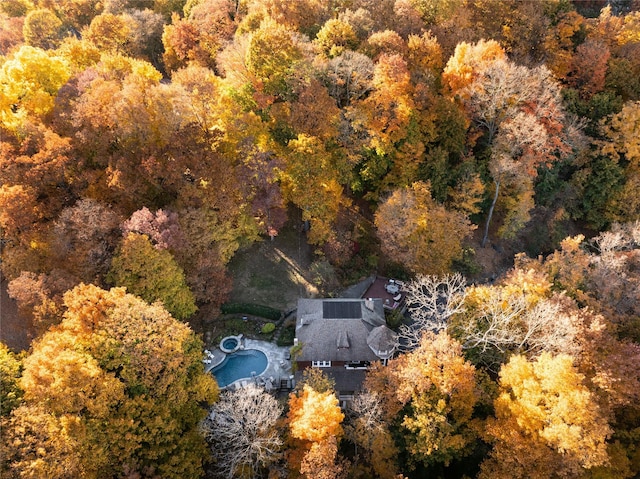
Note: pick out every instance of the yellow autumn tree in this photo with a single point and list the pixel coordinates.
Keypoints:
(315, 420)
(114, 390)
(310, 180)
(520, 315)
(29, 82)
(547, 423)
(433, 389)
(314, 416)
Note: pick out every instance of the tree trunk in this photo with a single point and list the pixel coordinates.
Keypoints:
(493, 204)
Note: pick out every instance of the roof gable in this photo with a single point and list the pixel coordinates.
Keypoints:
(337, 329)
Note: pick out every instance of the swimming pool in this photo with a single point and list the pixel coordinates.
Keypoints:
(239, 365)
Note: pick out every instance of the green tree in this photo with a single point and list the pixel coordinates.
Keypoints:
(10, 372)
(622, 145)
(152, 274)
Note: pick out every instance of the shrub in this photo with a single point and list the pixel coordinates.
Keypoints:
(268, 328)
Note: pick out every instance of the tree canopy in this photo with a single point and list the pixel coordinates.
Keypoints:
(485, 153)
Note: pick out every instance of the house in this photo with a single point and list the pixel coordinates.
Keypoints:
(343, 337)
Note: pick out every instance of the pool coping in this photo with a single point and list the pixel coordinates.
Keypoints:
(278, 362)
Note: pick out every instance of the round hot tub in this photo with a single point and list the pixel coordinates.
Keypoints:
(230, 344)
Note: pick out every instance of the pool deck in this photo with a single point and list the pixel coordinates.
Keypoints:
(278, 367)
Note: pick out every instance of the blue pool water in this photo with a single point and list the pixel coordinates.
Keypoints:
(230, 343)
(240, 365)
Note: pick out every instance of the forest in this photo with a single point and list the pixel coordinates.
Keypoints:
(144, 143)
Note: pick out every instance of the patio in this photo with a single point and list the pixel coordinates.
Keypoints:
(389, 290)
(277, 372)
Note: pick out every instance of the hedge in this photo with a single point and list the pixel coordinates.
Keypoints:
(252, 309)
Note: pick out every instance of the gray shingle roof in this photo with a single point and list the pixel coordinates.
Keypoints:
(329, 337)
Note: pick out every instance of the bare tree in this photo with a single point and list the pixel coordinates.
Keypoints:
(432, 301)
(364, 415)
(516, 106)
(241, 429)
(614, 277)
(506, 322)
(367, 429)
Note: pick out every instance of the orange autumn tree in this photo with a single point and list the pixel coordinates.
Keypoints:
(432, 393)
(420, 233)
(547, 423)
(469, 61)
(115, 390)
(315, 420)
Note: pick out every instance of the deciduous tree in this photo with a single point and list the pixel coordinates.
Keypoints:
(109, 32)
(39, 297)
(547, 423)
(310, 180)
(273, 57)
(84, 239)
(519, 111)
(418, 232)
(10, 372)
(315, 420)
(162, 227)
(152, 274)
(262, 188)
(335, 37)
(368, 429)
(519, 316)
(469, 61)
(589, 67)
(241, 429)
(115, 389)
(432, 301)
(439, 387)
(30, 79)
(42, 29)
(200, 36)
(623, 147)
(349, 77)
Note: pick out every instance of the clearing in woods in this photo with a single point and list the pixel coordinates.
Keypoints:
(274, 273)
